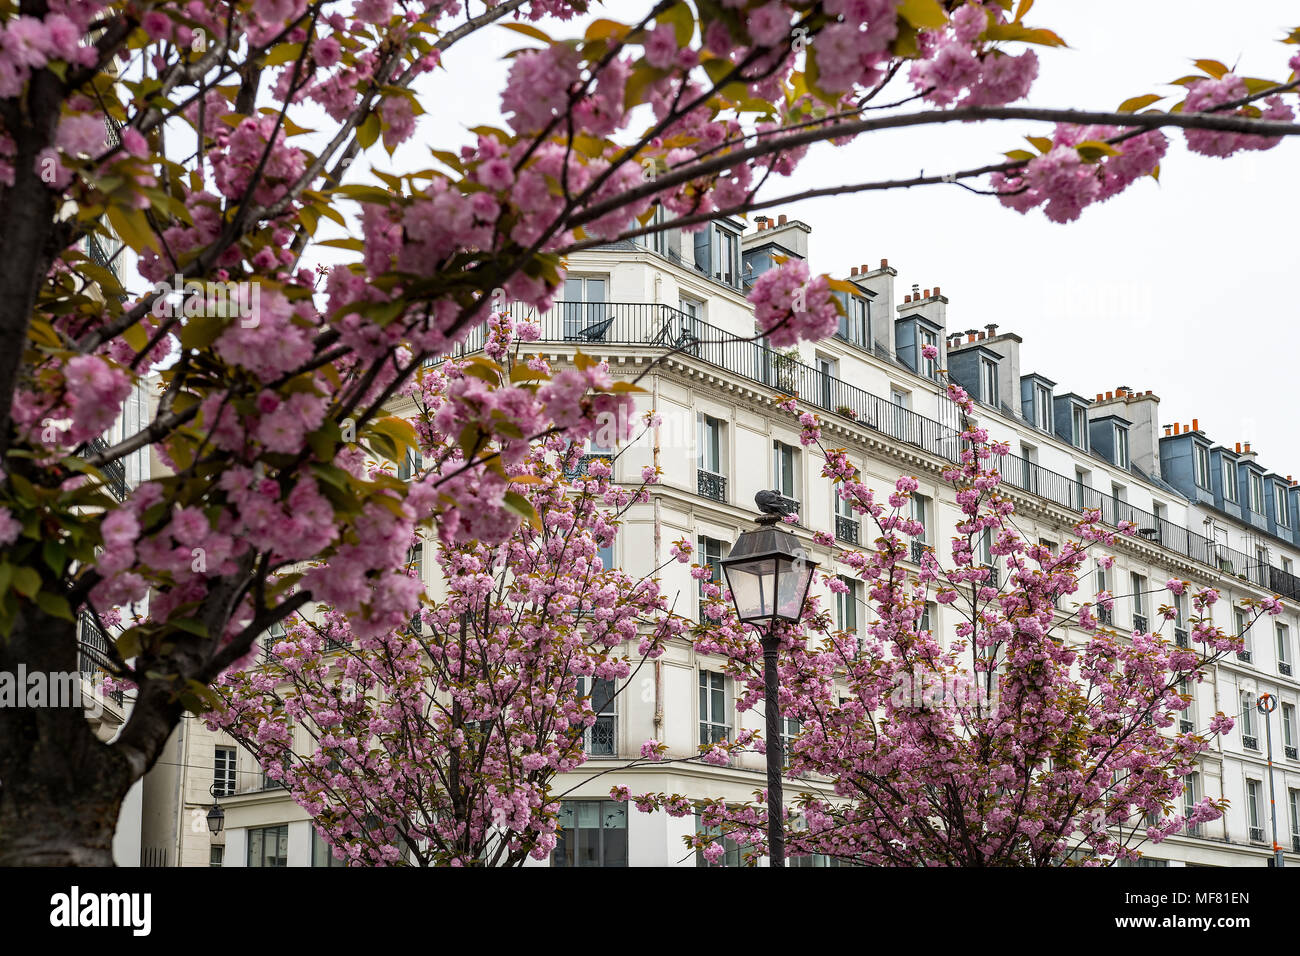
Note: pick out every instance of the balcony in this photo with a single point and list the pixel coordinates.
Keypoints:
(658, 326)
(1249, 742)
(1140, 623)
(1295, 843)
(1186, 727)
(92, 652)
(1106, 616)
(114, 472)
(1291, 753)
(791, 505)
(847, 529)
(1284, 668)
(1243, 656)
(1257, 834)
(1180, 637)
(579, 468)
(918, 549)
(711, 485)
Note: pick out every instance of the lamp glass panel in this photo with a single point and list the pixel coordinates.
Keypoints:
(752, 585)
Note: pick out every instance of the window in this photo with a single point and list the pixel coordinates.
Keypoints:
(790, 729)
(717, 254)
(1279, 506)
(592, 833)
(1248, 721)
(711, 483)
(1256, 493)
(1121, 446)
(713, 708)
(785, 469)
(829, 378)
(268, 846)
(846, 606)
(1240, 630)
(415, 559)
(1252, 810)
(926, 618)
(411, 465)
(1229, 479)
(1295, 819)
(1283, 647)
(1079, 427)
(929, 367)
(710, 554)
(1288, 729)
(1138, 585)
(216, 854)
(584, 309)
(1201, 461)
(855, 323)
(321, 853)
(1082, 485)
(1043, 408)
(1191, 793)
(606, 554)
(598, 739)
(223, 773)
(921, 513)
(989, 382)
(1104, 615)
(732, 855)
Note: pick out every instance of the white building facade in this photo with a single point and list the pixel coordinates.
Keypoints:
(722, 439)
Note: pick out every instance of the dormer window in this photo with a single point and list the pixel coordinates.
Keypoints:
(1043, 407)
(1201, 460)
(1279, 505)
(1079, 427)
(928, 367)
(855, 323)
(717, 254)
(1256, 493)
(989, 382)
(1121, 446)
(1229, 480)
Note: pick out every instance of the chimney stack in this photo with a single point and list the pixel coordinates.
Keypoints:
(884, 263)
(1177, 428)
(907, 299)
(1196, 424)
(992, 327)
(1168, 430)
(853, 271)
(1246, 446)
(780, 220)
(936, 290)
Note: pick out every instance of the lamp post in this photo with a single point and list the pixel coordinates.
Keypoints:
(1266, 704)
(768, 573)
(216, 816)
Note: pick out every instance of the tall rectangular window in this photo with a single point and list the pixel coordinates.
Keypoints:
(223, 775)
(709, 551)
(599, 739)
(1248, 721)
(989, 382)
(268, 846)
(1283, 634)
(1256, 493)
(411, 466)
(785, 469)
(1121, 446)
(1043, 408)
(1079, 427)
(714, 723)
(1294, 796)
(1239, 629)
(929, 367)
(1229, 479)
(1191, 793)
(731, 852)
(592, 833)
(710, 444)
(1279, 505)
(1288, 726)
(1082, 483)
(1253, 810)
(1201, 459)
(846, 606)
(855, 323)
(584, 309)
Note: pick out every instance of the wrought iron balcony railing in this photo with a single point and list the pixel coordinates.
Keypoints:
(1186, 727)
(1244, 656)
(847, 529)
(1140, 623)
(1284, 668)
(917, 550)
(92, 651)
(1180, 637)
(656, 325)
(114, 472)
(1257, 834)
(1106, 616)
(1249, 742)
(711, 485)
(1291, 753)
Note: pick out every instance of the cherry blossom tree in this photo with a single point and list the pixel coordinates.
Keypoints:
(178, 128)
(1006, 740)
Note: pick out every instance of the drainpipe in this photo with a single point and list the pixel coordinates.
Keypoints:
(658, 538)
(178, 806)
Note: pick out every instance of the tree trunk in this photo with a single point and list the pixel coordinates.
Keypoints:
(60, 787)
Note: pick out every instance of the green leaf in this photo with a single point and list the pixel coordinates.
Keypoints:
(1040, 143)
(1135, 103)
(518, 504)
(190, 626)
(369, 131)
(683, 21)
(399, 433)
(131, 227)
(26, 582)
(528, 30)
(55, 553)
(923, 14)
(1213, 67)
(1094, 149)
(55, 605)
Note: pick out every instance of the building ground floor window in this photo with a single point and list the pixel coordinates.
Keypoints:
(592, 833)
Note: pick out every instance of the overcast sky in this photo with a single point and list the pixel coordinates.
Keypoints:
(1186, 287)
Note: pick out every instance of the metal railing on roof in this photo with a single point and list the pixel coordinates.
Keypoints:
(657, 325)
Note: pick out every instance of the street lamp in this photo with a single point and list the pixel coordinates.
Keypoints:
(769, 573)
(216, 816)
(1266, 704)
